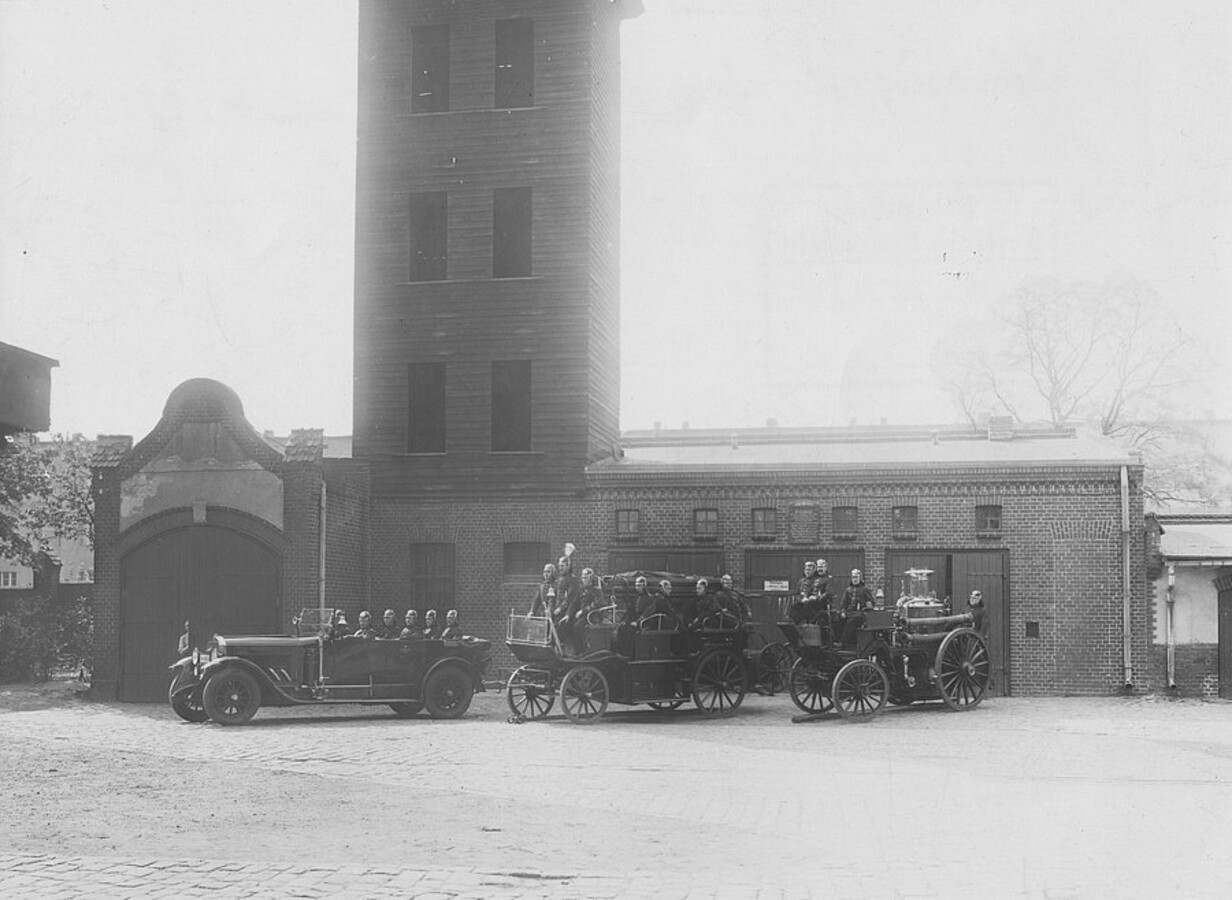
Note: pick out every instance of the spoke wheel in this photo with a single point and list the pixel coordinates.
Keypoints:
(583, 695)
(719, 682)
(809, 687)
(963, 669)
(406, 709)
(665, 706)
(187, 705)
(860, 690)
(231, 697)
(529, 693)
(447, 692)
(774, 667)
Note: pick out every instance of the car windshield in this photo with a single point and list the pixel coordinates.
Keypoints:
(314, 621)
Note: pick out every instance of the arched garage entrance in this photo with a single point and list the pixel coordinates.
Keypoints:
(217, 578)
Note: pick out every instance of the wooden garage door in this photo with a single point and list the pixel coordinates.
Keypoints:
(956, 575)
(217, 579)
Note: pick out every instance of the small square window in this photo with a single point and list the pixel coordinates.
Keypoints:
(988, 518)
(904, 520)
(1033, 629)
(628, 523)
(765, 524)
(846, 520)
(8, 579)
(706, 524)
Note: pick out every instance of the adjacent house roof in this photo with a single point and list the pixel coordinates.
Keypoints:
(1203, 540)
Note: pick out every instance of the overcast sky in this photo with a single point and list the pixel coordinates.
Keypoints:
(813, 194)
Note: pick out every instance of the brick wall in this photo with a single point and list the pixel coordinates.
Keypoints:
(1061, 530)
(1197, 669)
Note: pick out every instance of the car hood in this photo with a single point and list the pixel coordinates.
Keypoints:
(263, 641)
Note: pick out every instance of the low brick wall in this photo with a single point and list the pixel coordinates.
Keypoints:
(1197, 669)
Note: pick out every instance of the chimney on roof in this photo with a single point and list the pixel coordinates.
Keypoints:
(1000, 428)
(735, 441)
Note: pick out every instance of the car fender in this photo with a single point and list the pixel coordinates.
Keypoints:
(269, 690)
(465, 664)
(180, 664)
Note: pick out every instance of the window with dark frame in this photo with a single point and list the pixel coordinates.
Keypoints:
(511, 405)
(425, 414)
(430, 581)
(430, 68)
(628, 523)
(8, 579)
(515, 63)
(526, 557)
(511, 232)
(845, 520)
(765, 523)
(428, 235)
(705, 524)
(988, 518)
(904, 519)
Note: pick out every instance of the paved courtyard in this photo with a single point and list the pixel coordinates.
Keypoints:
(1018, 798)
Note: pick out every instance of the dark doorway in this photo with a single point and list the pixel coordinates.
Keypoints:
(217, 579)
(955, 575)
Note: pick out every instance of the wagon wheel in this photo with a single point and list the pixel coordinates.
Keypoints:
(406, 708)
(860, 690)
(188, 704)
(809, 687)
(231, 697)
(583, 694)
(774, 667)
(447, 691)
(529, 693)
(719, 682)
(963, 669)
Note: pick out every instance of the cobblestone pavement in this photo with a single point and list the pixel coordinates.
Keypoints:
(1030, 798)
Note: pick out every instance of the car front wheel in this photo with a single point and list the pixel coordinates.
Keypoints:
(447, 692)
(231, 697)
(184, 704)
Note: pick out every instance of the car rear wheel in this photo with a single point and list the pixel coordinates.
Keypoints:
(447, 692)
(231, 697)
(406, 709)
(184, 705)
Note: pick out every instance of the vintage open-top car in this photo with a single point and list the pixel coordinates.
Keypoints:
(236, 675)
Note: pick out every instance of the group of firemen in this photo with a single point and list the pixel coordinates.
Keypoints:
(815, 604)
(569, 601)
(390, 630)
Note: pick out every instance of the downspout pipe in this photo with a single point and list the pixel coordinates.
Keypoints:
(1169, 627)
(1126, 586)
(321, 553)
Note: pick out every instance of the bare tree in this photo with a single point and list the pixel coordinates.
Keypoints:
(1107, 353)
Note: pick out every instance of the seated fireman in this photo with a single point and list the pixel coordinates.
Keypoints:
(588, 598)
(365, 629)
(707, 609)
(657, 603)
(809, 608)
(729, 600)
(857, 599)
(432, 628)
(453, 629)
(412, 629)
(389, 626)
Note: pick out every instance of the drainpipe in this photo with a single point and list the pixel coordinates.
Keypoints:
(321, 554)
(1168, 626)
(1126, 634)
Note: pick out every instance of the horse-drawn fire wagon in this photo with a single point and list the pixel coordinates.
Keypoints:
(915, 651)
(615, 657)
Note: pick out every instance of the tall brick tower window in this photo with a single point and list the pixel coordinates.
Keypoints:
(430, 69)
(511, 408)
(428, 230)
(515, 63)
(425, 425)
(511, 232)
